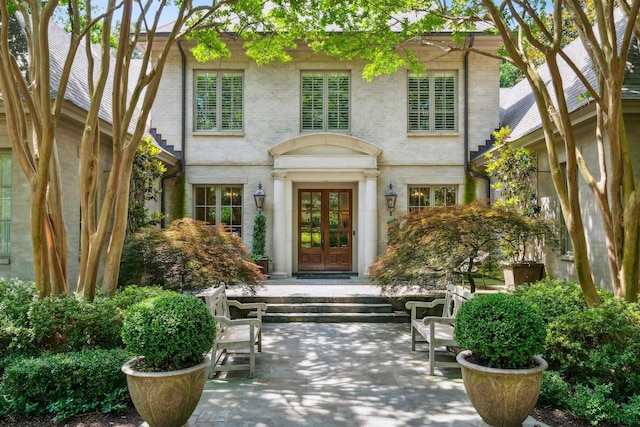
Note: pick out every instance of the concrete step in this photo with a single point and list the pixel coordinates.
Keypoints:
(394, 317)
(329, 307)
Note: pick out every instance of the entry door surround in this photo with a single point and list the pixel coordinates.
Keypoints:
(324, 230)
(325, 162)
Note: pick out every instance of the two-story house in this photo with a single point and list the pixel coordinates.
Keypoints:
(324, 144)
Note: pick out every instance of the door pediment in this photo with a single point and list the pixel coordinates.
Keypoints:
(325, 151)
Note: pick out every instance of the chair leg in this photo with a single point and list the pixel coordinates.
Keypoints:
(432, 357)
(413, 339)
(252, 361)
(214, 359)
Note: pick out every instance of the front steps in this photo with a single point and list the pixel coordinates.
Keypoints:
(331, 309)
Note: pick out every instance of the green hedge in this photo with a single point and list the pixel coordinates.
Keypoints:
(16, 296)
(66, 384)
(69, 323)
(593, 354)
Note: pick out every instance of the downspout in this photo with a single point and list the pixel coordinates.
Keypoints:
(183, 135)
(467, 171)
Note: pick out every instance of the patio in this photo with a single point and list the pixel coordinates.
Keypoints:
(336, 374)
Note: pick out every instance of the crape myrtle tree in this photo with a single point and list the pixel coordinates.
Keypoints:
(33, 105)
(380, 33)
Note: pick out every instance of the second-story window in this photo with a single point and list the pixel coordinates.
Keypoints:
(432, 102)
(325, 101)
(218, 102)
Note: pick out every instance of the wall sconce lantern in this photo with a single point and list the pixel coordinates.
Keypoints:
(390, 195)
(259, 197)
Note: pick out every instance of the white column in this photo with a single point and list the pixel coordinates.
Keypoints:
(279, 226)
(370, 220)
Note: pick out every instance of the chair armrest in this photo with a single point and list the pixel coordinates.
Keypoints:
(437, 319)
(256, 323)
(414, 305)
(424, 304)
(248, 305)
(260, 307)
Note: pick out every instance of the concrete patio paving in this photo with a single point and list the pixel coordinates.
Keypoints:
(336, 374)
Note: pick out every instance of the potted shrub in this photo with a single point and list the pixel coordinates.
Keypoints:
(259, 242)
(519, 246)
(502, 335)
(514, 173)
(170, 333)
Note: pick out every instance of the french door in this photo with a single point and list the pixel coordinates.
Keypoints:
(324, 230)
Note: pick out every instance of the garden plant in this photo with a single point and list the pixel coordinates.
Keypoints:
(188, 254)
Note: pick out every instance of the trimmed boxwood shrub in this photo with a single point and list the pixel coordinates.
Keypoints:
(501, 330)
(171, 331)
(70, 323)
(66, 384)
(125, 297)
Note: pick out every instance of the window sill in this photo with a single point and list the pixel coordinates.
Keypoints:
(566, 257)
(197, 134)
(433, 134)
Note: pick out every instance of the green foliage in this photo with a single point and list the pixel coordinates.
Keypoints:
(125, 297)
(469, 194)
(188, 254)
(15, 299)
(594, 404)
(509, 74)
(515, 173)
(146, 171)
(555, 390)
(70, 323)
(501, 330)
(593, 353)
(66, 384)
(553, 298)
(171, 331)
(439, 242)
(600, 345)
(259, 236)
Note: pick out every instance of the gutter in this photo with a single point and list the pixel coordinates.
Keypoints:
(467, 171)
(183, 134)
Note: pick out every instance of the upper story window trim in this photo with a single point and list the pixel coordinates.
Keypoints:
(218, 104)
(325, 101)
(432, 102)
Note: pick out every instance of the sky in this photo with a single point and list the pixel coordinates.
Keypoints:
(169, 14)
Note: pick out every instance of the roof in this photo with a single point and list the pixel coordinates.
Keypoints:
(77, 92)
(518, 106)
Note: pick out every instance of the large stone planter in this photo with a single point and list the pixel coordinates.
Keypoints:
(166, 399)
(518, 274)
(502, 397)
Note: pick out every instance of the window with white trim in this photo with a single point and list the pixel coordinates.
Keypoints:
(5, 203)
(432, 102)
(325, 101)
(218, 101)
(219, 205)
(424, 196)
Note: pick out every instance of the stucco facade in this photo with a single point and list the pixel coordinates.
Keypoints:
(291, 163)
